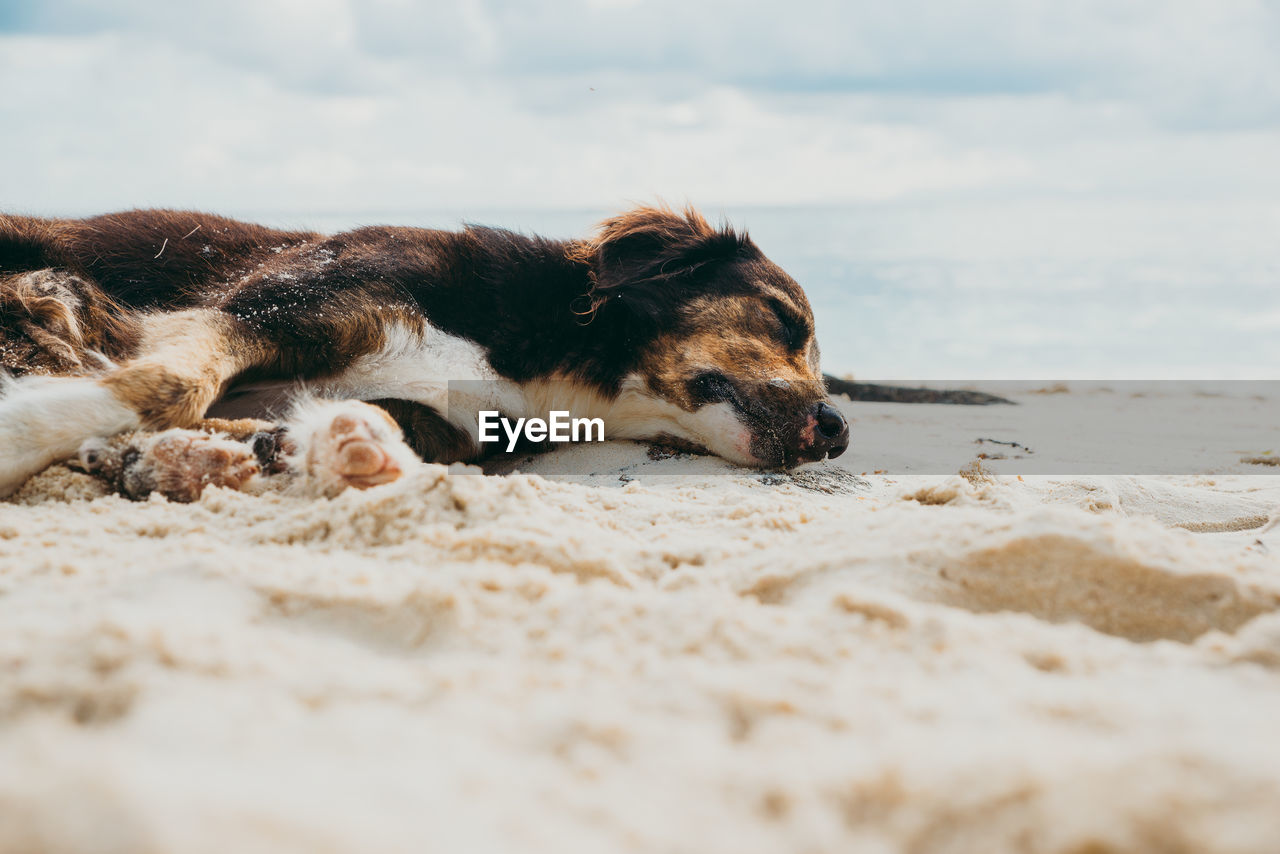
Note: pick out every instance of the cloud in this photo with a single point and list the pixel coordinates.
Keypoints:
(1091, 48)
(342, 105)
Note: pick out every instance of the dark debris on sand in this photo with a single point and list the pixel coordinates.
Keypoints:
(875, 393)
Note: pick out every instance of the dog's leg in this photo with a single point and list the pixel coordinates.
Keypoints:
(326, 446)
(185, 360)
(46, 419)
(431, 436)
(346, 443)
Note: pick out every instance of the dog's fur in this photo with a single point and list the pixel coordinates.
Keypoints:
(664, 326)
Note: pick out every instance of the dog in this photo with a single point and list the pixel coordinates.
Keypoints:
(147, 324)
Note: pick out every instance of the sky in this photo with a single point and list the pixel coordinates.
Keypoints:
(314, 106)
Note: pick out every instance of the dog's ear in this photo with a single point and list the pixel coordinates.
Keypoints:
(647, 259)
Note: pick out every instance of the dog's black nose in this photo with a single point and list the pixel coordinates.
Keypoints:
(832, 433)
(830, 421)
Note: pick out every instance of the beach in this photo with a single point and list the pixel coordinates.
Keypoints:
(620, 650)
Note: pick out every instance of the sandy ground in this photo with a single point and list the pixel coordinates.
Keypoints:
(640, 660)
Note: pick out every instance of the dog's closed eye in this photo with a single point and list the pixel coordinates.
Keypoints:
(711, 387)
(792, 332)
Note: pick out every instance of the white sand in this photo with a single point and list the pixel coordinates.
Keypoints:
(723, 662)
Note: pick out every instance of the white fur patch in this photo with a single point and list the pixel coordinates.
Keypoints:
(46, 419)
(718, 427)
(410, 366)
(418, 368)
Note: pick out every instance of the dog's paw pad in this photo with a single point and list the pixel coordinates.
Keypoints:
(367, 460)
(180, 464)
(357, 447)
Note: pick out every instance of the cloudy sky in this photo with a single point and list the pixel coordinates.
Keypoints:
(392, 105)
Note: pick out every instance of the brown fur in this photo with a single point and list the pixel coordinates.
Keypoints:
(190, 358)
(727, 333)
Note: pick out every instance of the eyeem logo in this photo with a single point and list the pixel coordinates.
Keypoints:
(560, 428)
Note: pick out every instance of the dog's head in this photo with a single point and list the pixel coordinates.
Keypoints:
(727, 356)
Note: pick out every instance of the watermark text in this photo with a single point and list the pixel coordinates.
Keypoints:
(559, 427)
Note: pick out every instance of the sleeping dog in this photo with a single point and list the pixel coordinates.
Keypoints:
(143, 324)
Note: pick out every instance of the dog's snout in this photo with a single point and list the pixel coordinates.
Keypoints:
(830, 421)
(831, 431)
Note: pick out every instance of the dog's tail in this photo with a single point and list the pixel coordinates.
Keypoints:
(53, 319)
(54, 322)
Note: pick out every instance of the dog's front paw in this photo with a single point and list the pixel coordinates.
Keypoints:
(184, 462)
(351, 444)
(350, 449)
(178, 464)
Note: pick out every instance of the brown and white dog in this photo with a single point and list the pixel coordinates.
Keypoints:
(145, 323)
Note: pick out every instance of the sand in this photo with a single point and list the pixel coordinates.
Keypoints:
(639, 660)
